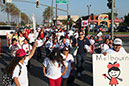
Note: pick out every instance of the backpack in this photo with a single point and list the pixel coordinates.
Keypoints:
(7, 79)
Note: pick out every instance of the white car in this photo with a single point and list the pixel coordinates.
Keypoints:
(6, 29)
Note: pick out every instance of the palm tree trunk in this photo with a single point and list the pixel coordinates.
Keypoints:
(8, 16)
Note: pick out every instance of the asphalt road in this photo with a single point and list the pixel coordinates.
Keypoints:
(36, 77)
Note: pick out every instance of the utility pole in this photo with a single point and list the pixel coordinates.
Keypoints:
(88, 9)
(67, 14)
(56, 15)
(20, 18)
(112, 20)
(88, 15)
(51, 14)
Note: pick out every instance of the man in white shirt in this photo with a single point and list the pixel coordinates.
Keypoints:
(117, 48)
(71, 32)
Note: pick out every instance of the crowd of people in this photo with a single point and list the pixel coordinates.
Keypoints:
(66, 50)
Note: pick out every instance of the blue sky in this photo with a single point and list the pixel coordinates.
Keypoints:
(77, 7)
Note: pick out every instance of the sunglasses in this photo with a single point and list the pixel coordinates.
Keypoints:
(80, 34)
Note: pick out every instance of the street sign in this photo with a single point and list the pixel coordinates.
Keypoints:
(61, 1)
(84, 23)
(9, 1)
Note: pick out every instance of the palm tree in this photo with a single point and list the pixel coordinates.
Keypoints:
(47, 14)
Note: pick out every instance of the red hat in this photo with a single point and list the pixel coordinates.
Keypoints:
(20, 53)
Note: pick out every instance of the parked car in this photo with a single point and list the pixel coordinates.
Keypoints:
(123, 29)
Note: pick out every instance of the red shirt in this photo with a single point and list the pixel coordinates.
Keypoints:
(41, 35)
(25, 34)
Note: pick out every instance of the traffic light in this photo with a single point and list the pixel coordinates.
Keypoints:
(4, 2)
(68, 19)
(37, 3)
(109, 4)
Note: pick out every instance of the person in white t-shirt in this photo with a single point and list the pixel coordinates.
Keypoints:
(69, 58)
(70, 32)
(40, 43)
(54, 45)
(21, 38)
(63, 43)
(76, 35)
(104, 46)
(117, 48)
(92, 42)
(31, 37)
(53, 64)
(17, 67)
(28, 48)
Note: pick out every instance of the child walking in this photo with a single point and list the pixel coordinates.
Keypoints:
(17, 67)
(69, 58)
(54, 63)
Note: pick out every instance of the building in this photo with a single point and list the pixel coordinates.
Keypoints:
(98, 20)
(64, 17)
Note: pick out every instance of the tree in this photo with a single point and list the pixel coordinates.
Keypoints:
(14, 12)
(65, 22)
(126, 21)
(47, 14)
(109, 14)
(24, 17)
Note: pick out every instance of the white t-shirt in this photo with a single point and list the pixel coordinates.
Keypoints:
(92, 41)
(76, 35)
(53, 69)
(62, 45)
(27, 47)
(71, 33)
(104, 47)
(21, 40)
(23, 78)
(111, 51)
(40, 43)
(55, 46)
(31, 38)
(70, 60)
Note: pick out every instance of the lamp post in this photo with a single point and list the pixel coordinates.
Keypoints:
(88, 15)
(88, 9)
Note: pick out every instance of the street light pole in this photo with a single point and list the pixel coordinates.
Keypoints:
(56, 15)
(88, 9)
(112, 20)
(67, 13)
(52, 14)
(20, 18)
(88, 15)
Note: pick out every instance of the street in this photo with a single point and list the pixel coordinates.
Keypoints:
(36, 77)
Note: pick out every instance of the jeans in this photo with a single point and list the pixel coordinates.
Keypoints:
(38, 53)
(80, 62)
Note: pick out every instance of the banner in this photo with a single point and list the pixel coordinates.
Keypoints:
(84, 23)
(110, 70)
(34, 22)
